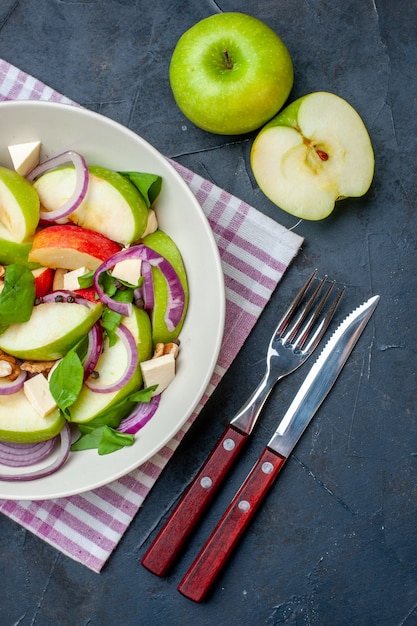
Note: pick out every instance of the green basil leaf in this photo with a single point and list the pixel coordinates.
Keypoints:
(17, 296)
(88, 441)
(66, 381)
(112, 440)
(104, 438)
(86, 280)
(149, 185)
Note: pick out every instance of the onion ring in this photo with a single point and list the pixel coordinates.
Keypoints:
(81, 183)
(64, 450)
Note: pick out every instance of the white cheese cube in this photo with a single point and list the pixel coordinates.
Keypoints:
(70, 279)
(152, 224)
(159, 371)
(36, 390)
(128, 271)
(25, 156)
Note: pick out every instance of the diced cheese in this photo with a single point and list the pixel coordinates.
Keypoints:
(70, 279)
(25, 156)
(158, 371)
(152, 224)
(128, 271)
(37, 392)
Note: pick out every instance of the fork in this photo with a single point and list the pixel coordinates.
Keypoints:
(298, 333)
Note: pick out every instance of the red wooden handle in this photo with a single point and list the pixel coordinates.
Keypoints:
(207, 566)
(165, 548)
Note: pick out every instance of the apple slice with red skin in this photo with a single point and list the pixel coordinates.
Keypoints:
(44, 277)
(70, 247)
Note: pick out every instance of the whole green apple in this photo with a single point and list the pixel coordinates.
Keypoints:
(314, 152)
(230, 73)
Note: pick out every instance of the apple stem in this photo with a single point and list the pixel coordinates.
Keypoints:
(227, 60)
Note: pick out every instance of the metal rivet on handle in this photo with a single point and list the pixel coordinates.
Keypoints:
(228, 444)
(267, 467)
(244, 505)
(206, 482)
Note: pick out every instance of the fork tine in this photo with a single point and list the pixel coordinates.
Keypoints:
(296, 324)
(322, 327)
(285, 319)
(308, 325)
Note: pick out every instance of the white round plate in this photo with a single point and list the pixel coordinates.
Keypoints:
(104, 142)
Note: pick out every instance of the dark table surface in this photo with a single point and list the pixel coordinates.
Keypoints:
(336, 541)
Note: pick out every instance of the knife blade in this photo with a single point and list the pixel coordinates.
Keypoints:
(203, 572)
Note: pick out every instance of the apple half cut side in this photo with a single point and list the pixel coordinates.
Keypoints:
(112, 206)
(313, 153)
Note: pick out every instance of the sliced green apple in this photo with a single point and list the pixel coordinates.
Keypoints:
(313, 153)
(52, 330)
(19, 207)
(21, 423)
(67, 246)
(162, 243)
(14, 252)
(112, 206)
(90, 404)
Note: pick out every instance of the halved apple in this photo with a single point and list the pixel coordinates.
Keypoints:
(21, 423)
(90, 404)
(162, 243)
(112, 206)
(69, 247)
(52, 330)
(313, 153)
(19, 207)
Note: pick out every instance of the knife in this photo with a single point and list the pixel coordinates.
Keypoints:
(203, 572)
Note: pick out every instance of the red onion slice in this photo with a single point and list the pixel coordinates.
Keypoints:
(64, 450)
(148, 294)
(81, 183)
(24, 454)
(94, 350)
(140, 416)
(129, 342)
(8, 387)
(176, 295)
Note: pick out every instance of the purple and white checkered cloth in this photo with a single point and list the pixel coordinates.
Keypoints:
(255, 252)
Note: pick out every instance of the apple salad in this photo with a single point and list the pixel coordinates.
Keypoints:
(93, 296)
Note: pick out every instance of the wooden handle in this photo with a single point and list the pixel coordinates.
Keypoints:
(207, 566)
(171, 538)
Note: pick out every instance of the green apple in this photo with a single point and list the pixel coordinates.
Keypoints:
(14, 252)
(313, 153)
(113, 206)
(230, 73)
(89, 404)
(52, 330)
(21, 423)
(19, 207)
(162, 243)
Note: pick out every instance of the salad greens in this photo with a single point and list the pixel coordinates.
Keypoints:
(17, 297)
(149, 185)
